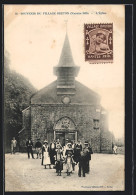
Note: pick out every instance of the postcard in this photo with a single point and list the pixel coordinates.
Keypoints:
(64, 102)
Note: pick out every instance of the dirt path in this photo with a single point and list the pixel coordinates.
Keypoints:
(22, 174)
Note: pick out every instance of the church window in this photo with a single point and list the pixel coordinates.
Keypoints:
(96, 124)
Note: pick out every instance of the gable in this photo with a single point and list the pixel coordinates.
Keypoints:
(48, 95)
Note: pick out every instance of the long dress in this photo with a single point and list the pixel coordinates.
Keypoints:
(69, 160)
(52, 153)
(69, 164)
(46, 157)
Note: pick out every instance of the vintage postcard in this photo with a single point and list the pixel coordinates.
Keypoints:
(64, 97)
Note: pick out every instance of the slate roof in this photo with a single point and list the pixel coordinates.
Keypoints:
(66, 58)
(48, 95)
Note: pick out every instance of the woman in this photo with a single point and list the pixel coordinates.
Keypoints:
(69, 159)
(52, 152)
(45, 155)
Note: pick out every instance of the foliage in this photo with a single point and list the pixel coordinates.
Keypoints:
(17, 92)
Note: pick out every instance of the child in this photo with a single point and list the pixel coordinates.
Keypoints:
(59, 160)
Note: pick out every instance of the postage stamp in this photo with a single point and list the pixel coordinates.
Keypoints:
(98, 42)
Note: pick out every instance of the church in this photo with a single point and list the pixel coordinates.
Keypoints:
(66, 109)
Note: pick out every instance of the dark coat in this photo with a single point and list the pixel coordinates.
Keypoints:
(59, 162)
(29, 144)
(38, 144)
(77, 151)
(52, 153)
(90, 152)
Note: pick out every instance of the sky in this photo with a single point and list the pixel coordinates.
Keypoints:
(34, 37)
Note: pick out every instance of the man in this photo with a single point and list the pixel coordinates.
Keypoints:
(88, 151)
(29, 145)
(13, 145)
(82, 163)
(77, 151)
(38, 147)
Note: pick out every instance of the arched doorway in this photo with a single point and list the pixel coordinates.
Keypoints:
(64, 129)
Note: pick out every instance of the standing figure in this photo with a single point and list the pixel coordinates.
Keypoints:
(73, 147)
(115, 149)
(65, 147)
(88, 151)
(52, 152)
(59, 160)
(45, 155)
(13, 145)
(38, 147)
(58, 143)
(82, 163)
(69, 159)
(77, 151)
(29, 145)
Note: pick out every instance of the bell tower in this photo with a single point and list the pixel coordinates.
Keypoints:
(66, 71)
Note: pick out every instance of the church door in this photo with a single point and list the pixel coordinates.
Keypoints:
(61, 137)
(65, 129)
(70, 136)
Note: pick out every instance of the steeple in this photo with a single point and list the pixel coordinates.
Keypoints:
(66, 58)
(66, 70)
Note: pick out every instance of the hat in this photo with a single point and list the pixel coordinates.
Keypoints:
(69, 143)
(86, 143)
(45, 141)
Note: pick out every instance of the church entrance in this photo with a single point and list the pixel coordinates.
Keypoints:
(62, 136)
(65, 129)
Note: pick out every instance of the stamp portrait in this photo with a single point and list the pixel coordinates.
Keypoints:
(98, 43)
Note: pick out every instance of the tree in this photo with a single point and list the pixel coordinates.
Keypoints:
(17, 92)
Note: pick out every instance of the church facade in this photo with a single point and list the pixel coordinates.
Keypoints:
(66, 109)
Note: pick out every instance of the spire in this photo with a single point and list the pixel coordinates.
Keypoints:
(66, 59)
(66, 71)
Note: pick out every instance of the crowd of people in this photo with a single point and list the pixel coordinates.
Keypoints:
(60, 157)
(56, 156)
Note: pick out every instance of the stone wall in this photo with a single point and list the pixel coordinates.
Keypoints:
(106, 136)
(43, 118)
(39, 121)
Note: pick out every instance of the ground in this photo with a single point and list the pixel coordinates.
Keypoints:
(23, 174)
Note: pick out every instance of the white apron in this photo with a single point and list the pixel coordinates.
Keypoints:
(46, 158)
